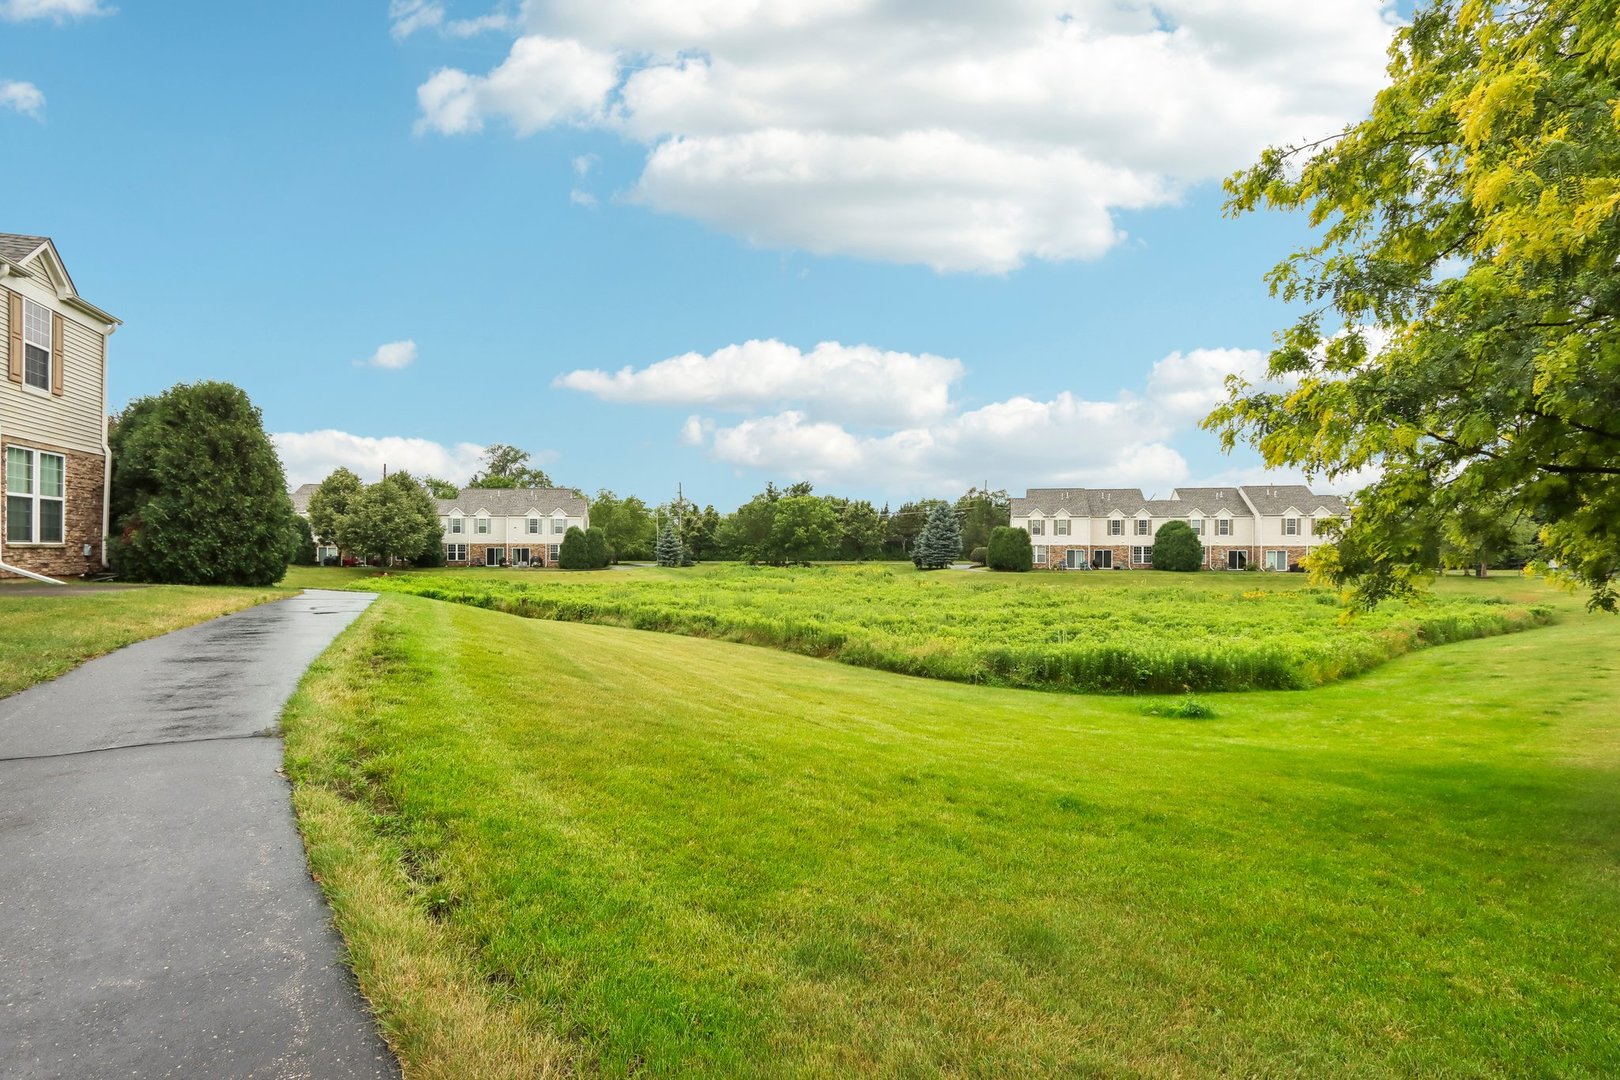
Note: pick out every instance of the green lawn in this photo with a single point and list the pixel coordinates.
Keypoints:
(569, 849)
(43, 636)
(1098, 631)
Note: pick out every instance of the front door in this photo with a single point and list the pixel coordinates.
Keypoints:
(1237, 560)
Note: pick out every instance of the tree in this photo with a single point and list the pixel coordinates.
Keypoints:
(981, 512)
(574, 552)
(596, 548)
(391, 519)
(1177, 547)
(1009, 549)
(627, 522)
(940, 542)
(802, 528)
(330, 501)
(1486, 536)
(860, 530)
(440, 489)
(198, 494)
(667, 550)
(508, 467)
(906, 524)
(300, 543)
(746, 533)
(1463, 329)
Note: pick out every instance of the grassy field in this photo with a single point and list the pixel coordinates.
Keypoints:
(43, 636)
(565, 849)
(1134, 632)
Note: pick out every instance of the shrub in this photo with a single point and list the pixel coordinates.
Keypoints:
(1177, 548)
(596, 548)
(1188, 708)
(1010, 549)
(302, 542)
(980, 556)
(574, 554)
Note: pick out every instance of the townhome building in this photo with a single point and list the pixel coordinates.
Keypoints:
(509, 526)
(55, 466)
(1271, 526)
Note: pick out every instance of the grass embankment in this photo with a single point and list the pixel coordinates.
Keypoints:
(565, 848)
(1132, 632)
(43, 636)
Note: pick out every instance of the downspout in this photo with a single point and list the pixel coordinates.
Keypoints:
(106, 453)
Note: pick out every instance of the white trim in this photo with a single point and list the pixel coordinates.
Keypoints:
(35, 475)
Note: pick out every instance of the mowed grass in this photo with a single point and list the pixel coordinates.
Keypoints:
(43, 636)
(1099, 631)
(564, 849)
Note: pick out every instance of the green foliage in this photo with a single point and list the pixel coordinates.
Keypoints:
(198, 491)
(802, 527)
(981, 513)
(628, 523)
(905, 525)
(392, 519)
(300, 543)
(330, 501)
(574, 552)
(440, 489)
(1185, 708)
(1010, 549)
(668, 549)
(596, 548)
(1176, 547)
(860, 528)
(979, 556)
(1093, 632)
(508, 467)
(940, 542)
(1473, 219)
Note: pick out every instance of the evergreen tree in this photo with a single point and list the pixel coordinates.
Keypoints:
(1177, 547)
(940, 542)
(1009, 549)
(574, 552)
(596, 549)
(668, 548)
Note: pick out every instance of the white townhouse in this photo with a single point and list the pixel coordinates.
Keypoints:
(509, 526)
(1273, 526)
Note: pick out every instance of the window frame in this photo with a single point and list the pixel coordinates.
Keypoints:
(456, 527)
(1141, 555)
(559, 525)
(1144, 527)
(51, 359)
(1223, 526)
(455, 553)
(1196, 525)
(534, 526)
(35, 498)
(1290, 526)
(481, 526)
(1037, 527)
(1116, 526)
(1060, 527)
(552, 552)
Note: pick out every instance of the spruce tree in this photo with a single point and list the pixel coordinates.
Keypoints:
(668, 548)
(940, 542)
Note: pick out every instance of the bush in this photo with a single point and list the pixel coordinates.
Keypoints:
(198, 494)
(1177, 548)
(574, 554)
(302, 542)
(596, 548)
(979, 556)
(1188, 708)
(1010, 550)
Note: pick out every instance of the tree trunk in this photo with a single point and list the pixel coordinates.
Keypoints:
(1479, 571)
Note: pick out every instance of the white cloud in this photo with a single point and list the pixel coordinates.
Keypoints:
(855, 384)
(960, 136)
(584, 163)
(56, 10)
(23, 97)
(406, 17)
(392, 356)
(581, 198)
(309, 457)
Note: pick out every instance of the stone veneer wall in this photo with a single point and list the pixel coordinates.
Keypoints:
(539, 554)
(86, 491)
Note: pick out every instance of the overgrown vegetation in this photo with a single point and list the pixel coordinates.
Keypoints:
(1060, 632)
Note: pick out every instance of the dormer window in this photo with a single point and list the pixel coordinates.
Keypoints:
(37, 346)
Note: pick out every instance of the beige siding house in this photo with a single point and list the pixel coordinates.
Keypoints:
(509, 526)
(54, 461)
(1270, 526)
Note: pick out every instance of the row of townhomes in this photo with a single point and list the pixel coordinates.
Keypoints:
(1271, 526)
(54, 461)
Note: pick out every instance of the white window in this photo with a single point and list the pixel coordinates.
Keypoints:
(37, 358)
(1144, 527)
(1040, 555)
(481, 526)
(1061, 527)
(1116, 527)
(455, 552)
(1037, 528)
(1276, 560)
(552, 553)
(1197, 525)
(455, 525)
(1223, 526)
(1141, 556)
(35, 496)
(1290, 526)
(559, 526)
(534, 526)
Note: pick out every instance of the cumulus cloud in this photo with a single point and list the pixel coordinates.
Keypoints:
(959, 136)
(310, 456)
(55, 10)
(852, 383)
(23, 97)
(392, 356)
(406, 17)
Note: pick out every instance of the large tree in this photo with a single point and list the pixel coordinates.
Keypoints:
(982, 512)
(330, 501)
(392, 519)
(802, 528)
(628, 523)
(1461, 331)
(198, 494)
(940, 542)
(508, 467)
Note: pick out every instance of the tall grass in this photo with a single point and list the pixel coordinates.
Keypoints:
(1037, 632)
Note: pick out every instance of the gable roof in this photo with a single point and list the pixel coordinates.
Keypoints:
(17, 249)
(300, 498)
(1211, 501)
(515, 502)
(1273, 499)
(1050, 500)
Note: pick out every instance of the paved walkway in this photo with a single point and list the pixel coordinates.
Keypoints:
(156, 915)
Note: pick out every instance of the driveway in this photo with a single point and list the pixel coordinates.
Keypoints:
(157, 918)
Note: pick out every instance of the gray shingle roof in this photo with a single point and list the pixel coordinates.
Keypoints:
(1051, 500)
(1105, 501)
(15, 247)
(300, 497)
(1211, 501)
(515, 502)
(1273, 499)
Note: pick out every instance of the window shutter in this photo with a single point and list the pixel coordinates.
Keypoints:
(14, 367)
(58, 360)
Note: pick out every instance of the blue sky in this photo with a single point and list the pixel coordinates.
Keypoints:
(1007, 226)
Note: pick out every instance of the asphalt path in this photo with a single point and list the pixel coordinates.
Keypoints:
(157, 918)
